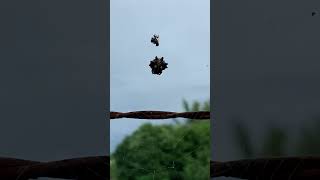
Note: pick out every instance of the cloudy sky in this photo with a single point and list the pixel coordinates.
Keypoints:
(184, 29)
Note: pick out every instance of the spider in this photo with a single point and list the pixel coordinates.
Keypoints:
(155, 40)
(158, 65)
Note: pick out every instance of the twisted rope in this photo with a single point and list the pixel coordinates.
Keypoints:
(200, 115)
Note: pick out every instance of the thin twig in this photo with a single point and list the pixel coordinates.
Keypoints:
(200, 115)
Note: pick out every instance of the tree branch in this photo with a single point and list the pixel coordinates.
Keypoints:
(200, 115)
(274, 168)
(95, 168)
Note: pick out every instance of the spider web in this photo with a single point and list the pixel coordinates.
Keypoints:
(168, 166)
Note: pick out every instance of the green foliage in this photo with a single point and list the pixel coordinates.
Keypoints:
(309, 142)
(113, 168)
(165, 152)
(206, 106)
(276, 141)
(195, 106)
(185, 105)
(273, 143)
(243, 140)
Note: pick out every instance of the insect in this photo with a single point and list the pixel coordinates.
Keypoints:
(158, 65)
(155, 39)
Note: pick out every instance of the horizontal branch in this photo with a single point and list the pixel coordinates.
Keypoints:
(95, 168)
(201, 115)
(269, 168)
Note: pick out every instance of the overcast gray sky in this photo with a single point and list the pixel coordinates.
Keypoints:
(184, 29)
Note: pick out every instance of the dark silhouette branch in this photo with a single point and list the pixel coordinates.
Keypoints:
(95, 168)
(269, 168)
(200, 115)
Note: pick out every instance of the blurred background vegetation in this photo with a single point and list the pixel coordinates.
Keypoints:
(167, 152)
(278, 141)
(182, 150)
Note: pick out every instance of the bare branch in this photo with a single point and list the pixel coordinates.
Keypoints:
(95, 168)
(200, 115)
(269, 168)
